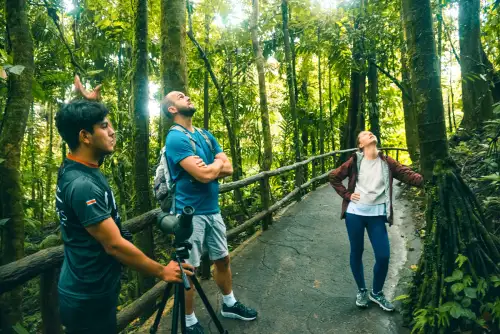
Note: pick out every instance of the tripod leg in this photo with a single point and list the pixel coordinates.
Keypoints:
(207, 305)
(182, 307)
(175, 313)
(161, 307)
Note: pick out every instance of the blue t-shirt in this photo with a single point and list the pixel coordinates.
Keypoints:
(203, 197)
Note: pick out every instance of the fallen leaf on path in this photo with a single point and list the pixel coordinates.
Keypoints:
(316, 283)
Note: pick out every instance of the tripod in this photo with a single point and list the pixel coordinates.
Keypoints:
(180, 254)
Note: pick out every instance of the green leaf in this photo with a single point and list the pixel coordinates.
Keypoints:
(446, 307)
(17, 69)
(38, 92)
(94, 72)
(469, 314)
(402, 297)
(456, 276)
(470, 292)
(466, 302)
(20, 329)
(491, 177)
(457, 287)
(456, 311)
(1, 160)
(461, 260)
(4, 221)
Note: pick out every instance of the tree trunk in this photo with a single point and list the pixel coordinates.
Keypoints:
(410, 113)
(267, 159)
(354, 110)
(455, 222)
(426, 84)
(373, 100)
(140, 94)
(291, 91)
(321, 123)
(173, 52)
(50, 156)
(206, 83)
(19, 99)
(332, 123)
(493, 76)
(476, 95)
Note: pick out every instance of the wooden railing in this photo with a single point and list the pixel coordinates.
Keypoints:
(46, 262)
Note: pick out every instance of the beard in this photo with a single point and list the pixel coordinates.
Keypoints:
(187, 111)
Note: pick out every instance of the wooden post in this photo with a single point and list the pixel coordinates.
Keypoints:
(51, 323)
(265, 196)
(314, 173)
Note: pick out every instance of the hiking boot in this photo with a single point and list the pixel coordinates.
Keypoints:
(362, 298)
(238, 311)
(379, 298)
(195, 329)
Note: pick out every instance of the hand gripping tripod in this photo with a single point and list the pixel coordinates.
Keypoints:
(180, 254)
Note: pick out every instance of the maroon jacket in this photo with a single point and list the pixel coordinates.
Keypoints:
(350, 169)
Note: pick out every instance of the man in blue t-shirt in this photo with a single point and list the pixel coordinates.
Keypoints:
(195, 173)
(95, 243)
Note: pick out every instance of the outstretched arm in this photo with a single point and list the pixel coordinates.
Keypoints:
(404, 173)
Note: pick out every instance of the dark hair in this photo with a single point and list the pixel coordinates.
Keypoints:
(76, 116)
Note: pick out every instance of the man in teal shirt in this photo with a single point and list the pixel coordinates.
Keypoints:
(195, 172)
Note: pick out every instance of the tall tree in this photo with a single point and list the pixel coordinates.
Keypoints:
(320, 92)
(458, 240)
(373, 99)
(173, 51)
(50, 154)
(409, 111)
(140, 95)
(356, 83)
(12, 129)
(206, 83)
(476, 95)
(267, 158)
(291, 90)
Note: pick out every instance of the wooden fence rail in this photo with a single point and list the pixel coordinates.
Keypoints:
(47, 261)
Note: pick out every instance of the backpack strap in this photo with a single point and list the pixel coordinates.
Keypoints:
(205, 136)
(186, 132)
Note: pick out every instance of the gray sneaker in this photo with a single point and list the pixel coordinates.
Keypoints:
(379, 298)
(362, 298)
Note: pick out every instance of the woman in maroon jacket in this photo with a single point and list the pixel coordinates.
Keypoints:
(368, 205)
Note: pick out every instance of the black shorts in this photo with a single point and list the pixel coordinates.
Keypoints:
(86, 316)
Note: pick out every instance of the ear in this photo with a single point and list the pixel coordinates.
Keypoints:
(172, 110)
(84, 136)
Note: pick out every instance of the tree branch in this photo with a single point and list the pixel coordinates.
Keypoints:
(53, 15)
(394, 80)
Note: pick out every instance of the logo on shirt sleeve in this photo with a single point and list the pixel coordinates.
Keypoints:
(90, 202)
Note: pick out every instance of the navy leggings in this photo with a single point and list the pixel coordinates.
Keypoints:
(377, 232)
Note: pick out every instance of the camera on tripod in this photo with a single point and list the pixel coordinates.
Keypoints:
(181, 226)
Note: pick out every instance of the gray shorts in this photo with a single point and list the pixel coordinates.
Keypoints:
(209, 232)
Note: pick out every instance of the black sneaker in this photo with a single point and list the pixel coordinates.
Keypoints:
(238, 311)
(379, 298)
(195, 329)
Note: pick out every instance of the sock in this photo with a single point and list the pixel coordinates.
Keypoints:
(191, 320)
(229, 299)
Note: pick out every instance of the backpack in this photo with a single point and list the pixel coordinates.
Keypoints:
(163, 185)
